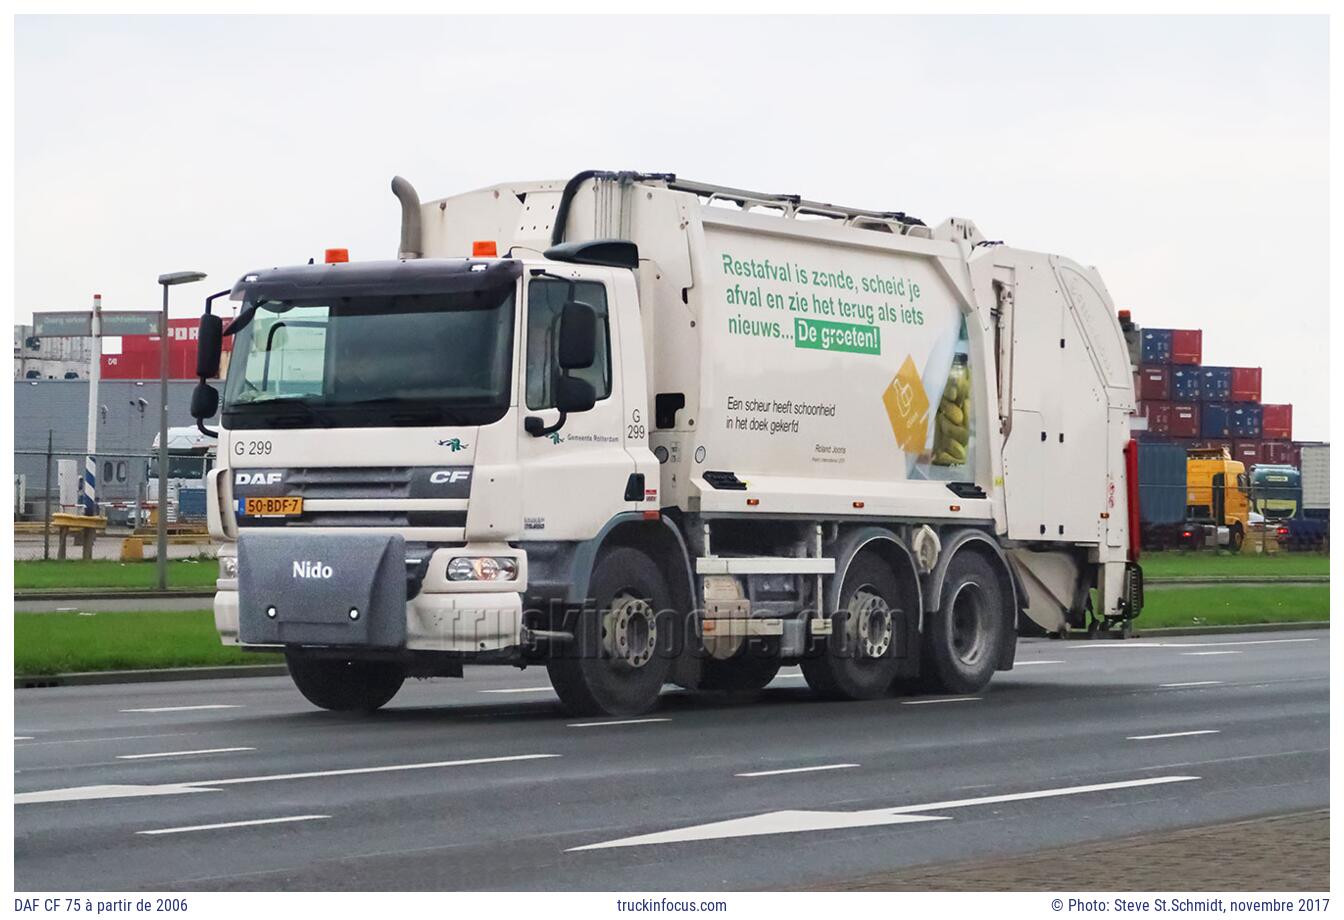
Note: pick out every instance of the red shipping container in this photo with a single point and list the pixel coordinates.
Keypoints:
(1183, 422)
(1187, 346)
(1277, 422)
(1154, 382)
(139, 358)
(1276, 452)
(1248, 452)
(1159, 416)
(1245, 384)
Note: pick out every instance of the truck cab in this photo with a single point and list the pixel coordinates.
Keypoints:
(1217, 499)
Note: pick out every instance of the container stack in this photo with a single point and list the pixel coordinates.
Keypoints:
(1184, 401)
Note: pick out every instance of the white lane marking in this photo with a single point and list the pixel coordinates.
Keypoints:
(829, 766)
(1224, 652)
(184, 708)
(215, 827)
(1193, 683)
(1246, 642)
(790, 677)
(23, 737)
(118, 738)
(355, 771)
(953, 699)
(1027, 664)
(183, 753)
(617, 722)
(82, 793)
(1206, 731)
(88, 793)
(520, 690)
(790, 822)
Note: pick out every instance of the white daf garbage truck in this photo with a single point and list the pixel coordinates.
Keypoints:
(642, 430)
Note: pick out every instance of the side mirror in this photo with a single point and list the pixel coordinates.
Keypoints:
(204, 402)
(574, 395)
(209, 346)
(578, 336)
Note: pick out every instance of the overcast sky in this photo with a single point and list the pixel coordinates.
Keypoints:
(1185, 157)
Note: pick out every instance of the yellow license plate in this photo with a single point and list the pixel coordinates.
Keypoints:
(273, 507)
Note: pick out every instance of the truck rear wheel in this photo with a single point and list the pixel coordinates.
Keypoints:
(963, 636)
(859, 661)
(615, 665)
(342, 685)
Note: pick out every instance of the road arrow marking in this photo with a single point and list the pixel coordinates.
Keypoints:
(792, 822)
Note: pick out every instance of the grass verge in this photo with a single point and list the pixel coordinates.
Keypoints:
(1210, 563)
(1235, 605)
(51, 574)
(60, 643)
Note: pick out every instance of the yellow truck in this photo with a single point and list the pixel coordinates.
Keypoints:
(1217, 499)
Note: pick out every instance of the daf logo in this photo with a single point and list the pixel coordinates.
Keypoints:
(311, 570)
(256, 479)
(438, 477)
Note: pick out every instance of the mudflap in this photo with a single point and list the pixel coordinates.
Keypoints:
(304, 588)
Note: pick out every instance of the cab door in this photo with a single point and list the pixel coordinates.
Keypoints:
(576, 478)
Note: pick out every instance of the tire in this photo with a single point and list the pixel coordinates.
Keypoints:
(1236, 538)
(343, 685)
(849, 669)
(619, 660)
(746, 673)
(963, 636)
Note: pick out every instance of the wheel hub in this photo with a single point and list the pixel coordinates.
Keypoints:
(630, 631)
(872, 624)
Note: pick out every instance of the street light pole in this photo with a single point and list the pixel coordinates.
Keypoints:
(161, 556)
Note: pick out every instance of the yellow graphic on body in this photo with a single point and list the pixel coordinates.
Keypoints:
(907, 407)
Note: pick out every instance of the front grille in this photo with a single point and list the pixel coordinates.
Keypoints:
(374, 517)
(349, 482)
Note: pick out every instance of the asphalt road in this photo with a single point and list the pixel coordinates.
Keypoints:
(483, 784)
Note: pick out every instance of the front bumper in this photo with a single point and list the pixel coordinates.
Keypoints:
(467, 618)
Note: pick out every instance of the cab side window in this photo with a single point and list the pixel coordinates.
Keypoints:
(545, 300)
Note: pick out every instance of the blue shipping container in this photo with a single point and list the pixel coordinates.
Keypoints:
(1247, 420)
(1157, 346)
(1215, 420)
(1161, 483)
(1185, 383)
(1215, 384)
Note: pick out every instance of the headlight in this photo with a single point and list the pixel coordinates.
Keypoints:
(483, 568)
(228, 566)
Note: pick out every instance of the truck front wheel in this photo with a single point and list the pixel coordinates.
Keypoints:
(964, 634)
(859, 661)
(342, 685)
(619, 658)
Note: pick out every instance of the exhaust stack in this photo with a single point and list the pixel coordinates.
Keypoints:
(410, 219)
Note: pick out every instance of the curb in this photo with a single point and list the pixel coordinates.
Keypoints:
(1159, 632)
(89, 678)
(99, 595)
(1237, 580)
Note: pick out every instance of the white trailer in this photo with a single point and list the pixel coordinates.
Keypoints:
(1316, 480)
(642, 430)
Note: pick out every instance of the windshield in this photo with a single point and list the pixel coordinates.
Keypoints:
(383, 360)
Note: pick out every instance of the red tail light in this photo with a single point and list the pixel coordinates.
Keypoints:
(1283, 531)
(1132, 497)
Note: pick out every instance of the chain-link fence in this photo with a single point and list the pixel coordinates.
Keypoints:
(48, 483)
